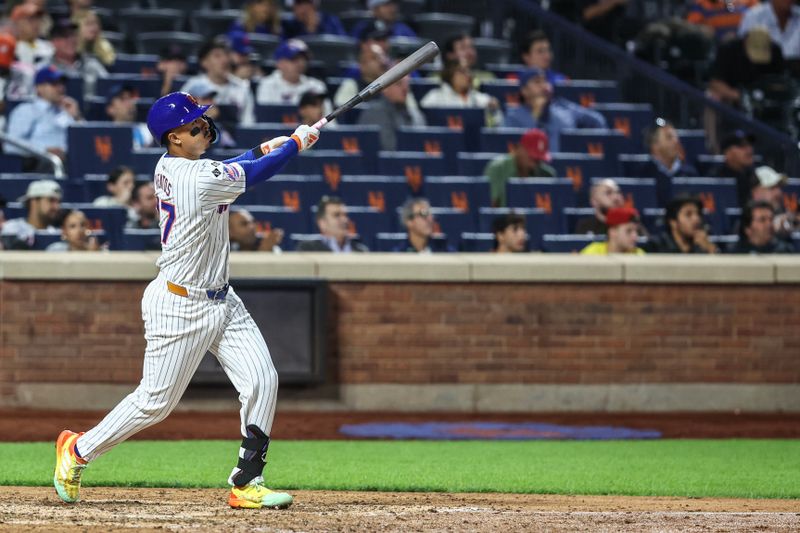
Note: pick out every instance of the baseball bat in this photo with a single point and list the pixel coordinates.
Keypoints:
(397, 72)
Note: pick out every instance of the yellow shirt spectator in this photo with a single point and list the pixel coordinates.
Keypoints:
(601, 248)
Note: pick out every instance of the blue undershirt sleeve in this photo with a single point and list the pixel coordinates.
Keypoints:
(263, 168)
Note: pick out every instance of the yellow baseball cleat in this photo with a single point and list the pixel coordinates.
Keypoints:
(69, 467)
(255, 495)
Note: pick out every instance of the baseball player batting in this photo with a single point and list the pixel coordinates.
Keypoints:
(189, 308)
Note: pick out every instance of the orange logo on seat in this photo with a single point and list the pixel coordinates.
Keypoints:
(790, 202)
(511, 147)
(576, 175)
(709, 204)
(512, 98)
(351, 228)
(433, 147)
(263, 226)
(436, 227)
(333, 175)
(291, 199)
(459, 200)
(595, 148)
(455, 122)
(95, 224)
(629, 200)
(543, 201)
(350, 145)
(623, 125)
(289, 118)
(587, 99)
(376, 200)
(103, 147)
(414, 177)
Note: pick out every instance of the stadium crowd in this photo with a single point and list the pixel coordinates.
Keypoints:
(274, 62)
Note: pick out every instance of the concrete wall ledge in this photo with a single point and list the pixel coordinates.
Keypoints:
(379, 267)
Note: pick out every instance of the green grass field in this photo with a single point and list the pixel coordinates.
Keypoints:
(693, 468)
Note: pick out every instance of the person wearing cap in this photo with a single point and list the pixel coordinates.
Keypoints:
(536, 52)
(288, 81)
(529, 158)
(172, 63)
(623, 227)
(32, 50)
(43, 122)
(685, 231)
(258, 16)
(75, 235)
(510, 236)
(742, 61)
(720, 18)
(307, 19)
(43, 204)
(457, 90)
(768, 187)
(121, 109)
(757, 232)
(90, 38)
(781, 18)
(540, 110)
(215, 62)
(389, 110)
(737, 147)
(66, 57)
(385, 13)
(603, 196)
(666, 159)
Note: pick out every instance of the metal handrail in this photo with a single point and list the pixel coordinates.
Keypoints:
(58, 165)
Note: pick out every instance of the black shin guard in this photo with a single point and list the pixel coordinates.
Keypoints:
(255, 456)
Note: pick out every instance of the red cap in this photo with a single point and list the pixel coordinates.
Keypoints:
(24, 11)
(536, 144)
(7, 46)
(621, 215)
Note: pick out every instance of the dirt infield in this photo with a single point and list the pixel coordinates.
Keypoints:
(32, 425)
(104, 509)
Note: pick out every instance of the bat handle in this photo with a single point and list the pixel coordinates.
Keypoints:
(320, 123)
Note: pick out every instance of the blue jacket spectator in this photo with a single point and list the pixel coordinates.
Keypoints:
(309, 20)
(536, 52)
(385, 12)
(258, 16)
(540, 110)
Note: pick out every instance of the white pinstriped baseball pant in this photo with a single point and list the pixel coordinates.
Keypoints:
(179, 331)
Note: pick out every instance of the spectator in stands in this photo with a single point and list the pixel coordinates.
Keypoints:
(90, 38)
(76, 6)
(604, 196)
(385, 12)
(720, 18)
(32, 50)
(623, 226)
(416, 216)
(461, 50)
(685, 231)
(171, 64)
(757, 232)
(666, 159)
(16, 79)
(75, 235)
(509, 234)
(390, 110)
(244, 236)
(307, 19)
(781, 18)
(769, 188)
(288, 81)
(145, 206)
(119, 186)
(372, 62)
(334, 229)
(206, 94)
(215, 61)
(43, 203)
(121, 109)
(737, 147)
(741, 62)
(529, 158)
(64, 36)
(312, 108)
(374, 32)
(245, 61)
(540, 110)
(535, 52)
(43, 122)
(606, 18)
(457, 90)
(259, 16)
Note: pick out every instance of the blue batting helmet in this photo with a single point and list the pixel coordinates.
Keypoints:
(174, 110)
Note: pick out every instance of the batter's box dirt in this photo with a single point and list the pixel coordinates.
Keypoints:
(104, 509)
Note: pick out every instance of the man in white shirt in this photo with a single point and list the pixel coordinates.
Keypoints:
(214, 58)
(781, 18)
(31, 49)
(288, 81)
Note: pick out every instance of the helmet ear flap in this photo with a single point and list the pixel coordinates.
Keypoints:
(213, 128)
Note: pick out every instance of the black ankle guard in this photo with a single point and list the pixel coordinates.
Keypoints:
(255, 456)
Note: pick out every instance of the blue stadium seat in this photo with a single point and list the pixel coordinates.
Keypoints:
(579, 167)
(732, 217)
(415, 166)
(791, 194)
(98, 147)
(565, 243)
(420, 86)
(632, 120)
(470, 121)
(631, 165)
(572, 215)
(43, 239)
(280, 113)
(386, 242)
(506, 91)
(638, 192)
(142, 161)
(10, 163)
(147, 86)
(286, 218)
(134, 239)
(796, 241)
(436, 140)
(607, 143)
(694, 143)
(142, 64)
(452, 223)
(477, 242)
(500, 140)
(293, 192)
(473, 163)
(707, 164)
(384, 193)
(588, 92)
(550, 194)
(459, 192)
(537, 222)
(653, 219)
(717, 194)
(333, 164)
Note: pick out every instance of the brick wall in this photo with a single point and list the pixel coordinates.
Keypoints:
(446, 333)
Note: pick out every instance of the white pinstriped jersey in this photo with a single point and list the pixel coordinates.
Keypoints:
(193, 200)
